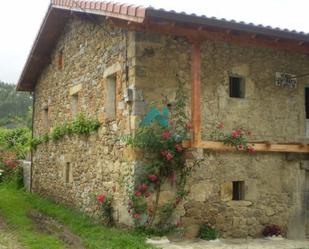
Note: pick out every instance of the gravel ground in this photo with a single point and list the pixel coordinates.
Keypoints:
(7, 239)
(239, 244)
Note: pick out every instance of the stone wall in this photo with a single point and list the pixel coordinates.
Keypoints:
(157, 64)
(90, 55)
(273, 191)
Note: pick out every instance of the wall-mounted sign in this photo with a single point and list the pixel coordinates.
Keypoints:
(286, 80)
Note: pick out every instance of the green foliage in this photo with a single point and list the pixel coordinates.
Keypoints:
(15, 107)
(16, 205)
(163, 161)
(11, 171)
(105, 202)
(80, 125)
(17, 140)
(208, 232)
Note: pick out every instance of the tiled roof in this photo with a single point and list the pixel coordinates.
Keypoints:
(59, 12)
(193, 15)
(140, 13)
(124, 11)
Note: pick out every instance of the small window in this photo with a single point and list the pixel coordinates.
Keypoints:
(45, 118)
(74, 104)
(67, 173)
(110, 103)
(237, 87)
(238, 190)
(60, 59)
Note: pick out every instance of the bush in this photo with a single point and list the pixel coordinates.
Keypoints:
(11, 171)
(272, 230)
(208, 232)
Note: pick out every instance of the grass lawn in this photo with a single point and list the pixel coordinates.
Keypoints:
(15, 206)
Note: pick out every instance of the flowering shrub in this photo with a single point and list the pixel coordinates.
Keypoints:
(272, 230)
(11, 171)
(208, 232)
(238, 138)
(105, 204)
(160, 140)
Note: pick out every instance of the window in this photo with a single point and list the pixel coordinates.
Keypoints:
(110, 103)
(45, 117)
(238, 190)
(74, 104)
(237, 87)
(67, 172)
(60, 59)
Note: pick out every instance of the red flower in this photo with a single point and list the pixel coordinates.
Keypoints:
(240, 147)
(178, 147)
(11, 164)
(234, 134)
(153, 178)
(220, 126)
(166, 134)
(136, 216)
(251, 150)
(101, 198)
(169, 156)
(189, 126)
(138, 193)
(143, 188)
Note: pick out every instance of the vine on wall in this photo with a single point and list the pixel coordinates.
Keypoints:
(80, 125)
(164, 161)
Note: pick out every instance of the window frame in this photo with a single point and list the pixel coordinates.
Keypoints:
(242, 86)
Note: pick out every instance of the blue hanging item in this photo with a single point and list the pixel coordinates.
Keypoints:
(155, 114)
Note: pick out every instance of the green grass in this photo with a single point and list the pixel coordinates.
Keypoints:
(14, 206)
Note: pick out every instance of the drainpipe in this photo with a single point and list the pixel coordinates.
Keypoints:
(32, 129)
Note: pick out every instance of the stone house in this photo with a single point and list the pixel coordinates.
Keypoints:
(110, 60)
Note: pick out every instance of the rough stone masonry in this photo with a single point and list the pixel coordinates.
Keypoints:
(73, 169)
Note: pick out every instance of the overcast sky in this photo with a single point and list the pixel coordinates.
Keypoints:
(21, 19)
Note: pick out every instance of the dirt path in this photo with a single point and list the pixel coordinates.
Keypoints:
(7, 239)
(47, 225)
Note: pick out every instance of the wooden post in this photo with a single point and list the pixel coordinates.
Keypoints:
(196, 92)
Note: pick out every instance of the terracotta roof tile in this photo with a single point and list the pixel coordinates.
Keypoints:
(139, 14)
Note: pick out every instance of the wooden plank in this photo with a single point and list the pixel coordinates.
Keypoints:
(211, 34)
(258, 146)
(196, 91)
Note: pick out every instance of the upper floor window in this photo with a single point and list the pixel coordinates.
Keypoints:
(60, 59)
(110, 103)
(46, 118)
(237, 87)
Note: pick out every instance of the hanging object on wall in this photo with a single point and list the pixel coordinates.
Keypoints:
(155, 114)
(286, 80)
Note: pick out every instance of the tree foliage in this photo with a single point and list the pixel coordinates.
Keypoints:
(15, 107)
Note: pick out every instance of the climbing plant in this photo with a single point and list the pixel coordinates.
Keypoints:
(80, 125)
(159, 138)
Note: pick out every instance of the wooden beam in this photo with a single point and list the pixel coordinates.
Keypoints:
(258, 146)
(207, 33)
(196, 91)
